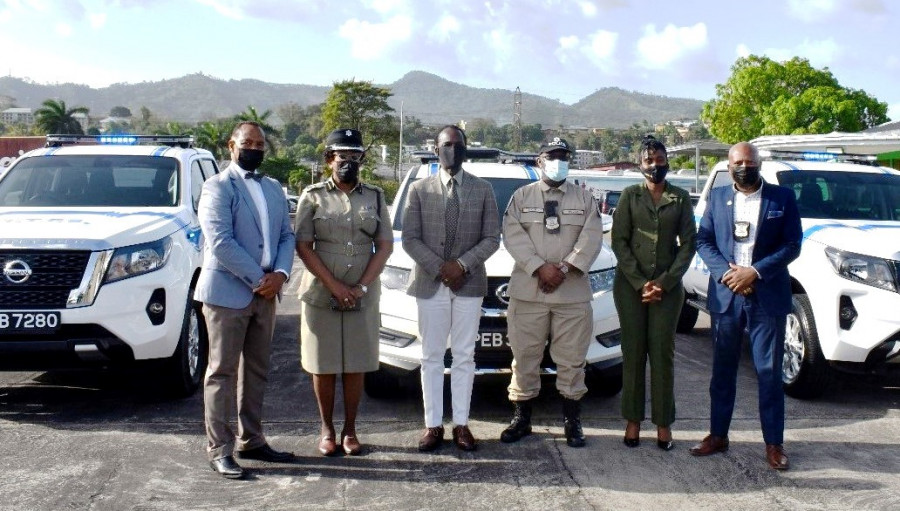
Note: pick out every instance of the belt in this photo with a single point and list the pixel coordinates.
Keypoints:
(348, 249)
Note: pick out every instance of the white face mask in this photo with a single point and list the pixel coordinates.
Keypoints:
(556, 170)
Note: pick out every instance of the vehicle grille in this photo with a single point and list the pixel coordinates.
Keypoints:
(491, 300)
(54, 275)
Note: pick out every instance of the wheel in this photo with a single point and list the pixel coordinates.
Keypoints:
(184, 370)
(382, 384)
(605, 382)
(805, 372)
(687, 319)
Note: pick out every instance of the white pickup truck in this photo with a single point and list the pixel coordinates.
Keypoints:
(846, 282)
(100, 247)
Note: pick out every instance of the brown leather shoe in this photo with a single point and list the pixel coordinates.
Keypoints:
(351, 445)
(327, 446)
(710, 445)
(431, 439)
(776, 457)
(463, 438)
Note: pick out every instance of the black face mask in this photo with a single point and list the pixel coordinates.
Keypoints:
(250, 159)
(348, 172)
(452, 157)
(656, 174)
(745, 176)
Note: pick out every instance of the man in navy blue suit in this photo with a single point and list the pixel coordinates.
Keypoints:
(748, 235)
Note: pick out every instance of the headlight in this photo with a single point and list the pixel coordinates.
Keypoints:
(395, 278)
(601, 280)
(872, 271)
(138, 259)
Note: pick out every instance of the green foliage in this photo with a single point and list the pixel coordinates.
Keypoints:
(764, 97)
(389, 186)
(278, 167)
(119, 111)
(54, 118)
(299, 178)
(250, 114)
(361, 106)
(213, 136)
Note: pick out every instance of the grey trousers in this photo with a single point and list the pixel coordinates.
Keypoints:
(240, 342)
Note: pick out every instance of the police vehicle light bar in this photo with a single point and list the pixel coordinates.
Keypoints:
(775, 154)
(169, 140)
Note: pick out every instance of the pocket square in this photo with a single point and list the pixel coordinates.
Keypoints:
(775, 214)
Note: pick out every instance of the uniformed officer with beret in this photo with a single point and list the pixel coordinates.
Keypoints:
(552, 228)
(344, 238)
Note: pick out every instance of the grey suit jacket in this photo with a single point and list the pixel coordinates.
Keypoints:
(424, 232)
(233, 243)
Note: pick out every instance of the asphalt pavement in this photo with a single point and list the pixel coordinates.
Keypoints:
(104, 440)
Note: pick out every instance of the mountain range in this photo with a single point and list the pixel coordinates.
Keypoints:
(430, 98)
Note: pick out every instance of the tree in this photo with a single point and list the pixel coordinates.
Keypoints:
(213, 136)
(120, 111)
(250, 114)
(54, 118)
(748, 104)
(362, 106)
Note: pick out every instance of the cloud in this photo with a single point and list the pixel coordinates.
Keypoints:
(228, 8)
(386, 6)
(63, 29)
(97, 20)
(588, 9)
(819, 53)
(658, 50)
(445, 28)
(601, 50)
(811, 11)
(369, 41)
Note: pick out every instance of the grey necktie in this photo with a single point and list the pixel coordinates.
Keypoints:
(452, 214)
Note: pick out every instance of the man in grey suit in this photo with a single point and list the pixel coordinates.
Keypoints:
(248, 253)
(451, 225)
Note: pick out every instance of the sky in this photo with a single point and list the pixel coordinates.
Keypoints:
(561, 49)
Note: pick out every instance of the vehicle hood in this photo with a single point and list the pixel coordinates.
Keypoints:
(867, 237)
(498, 265)
(90, 228)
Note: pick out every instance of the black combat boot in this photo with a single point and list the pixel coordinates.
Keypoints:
(520, 425)
(572, 424)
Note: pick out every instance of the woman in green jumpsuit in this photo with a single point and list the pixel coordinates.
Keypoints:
(653, 237)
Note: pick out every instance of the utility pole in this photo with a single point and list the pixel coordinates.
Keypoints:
(517, 120)
(400, 152)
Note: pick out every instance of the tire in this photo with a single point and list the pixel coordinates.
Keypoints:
(383, 384)
(805, 372)
(687, 319)
(604, 382)
(184, 370)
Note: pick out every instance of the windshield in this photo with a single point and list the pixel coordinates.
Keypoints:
(91, 181)
(844, 195)
(503, 190)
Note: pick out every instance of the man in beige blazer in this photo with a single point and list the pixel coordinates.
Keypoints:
(451, 225)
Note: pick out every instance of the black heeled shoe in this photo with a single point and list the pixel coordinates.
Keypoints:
(666, 445)
(632, 442)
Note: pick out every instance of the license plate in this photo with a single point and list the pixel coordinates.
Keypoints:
(492, 341)
(29, 321)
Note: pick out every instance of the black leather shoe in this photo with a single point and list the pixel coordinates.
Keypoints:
(572, 423)
(227, 467)
(265, 453)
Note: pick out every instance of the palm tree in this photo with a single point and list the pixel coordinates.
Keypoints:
(213, 135)
(250, 114)
(55, 118)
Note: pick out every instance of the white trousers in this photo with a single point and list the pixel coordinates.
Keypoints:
(448, 320)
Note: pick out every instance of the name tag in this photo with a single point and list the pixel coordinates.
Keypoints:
(532, 210)
(775, 214)
(573, 211)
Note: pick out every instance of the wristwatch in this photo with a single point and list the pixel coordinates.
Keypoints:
(364, 288)
(563, 267)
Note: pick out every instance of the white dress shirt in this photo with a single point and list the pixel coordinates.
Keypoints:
(746, 209)
(259, 199)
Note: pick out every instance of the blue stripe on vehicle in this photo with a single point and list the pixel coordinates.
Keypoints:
(51, 151)
(531, 172)
(863, 227)
(160, 150)
(432, 169)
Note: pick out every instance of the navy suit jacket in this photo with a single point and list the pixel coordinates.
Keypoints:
(778, 237)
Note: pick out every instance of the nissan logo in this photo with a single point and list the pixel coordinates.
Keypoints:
(502, 293)
(17, 271)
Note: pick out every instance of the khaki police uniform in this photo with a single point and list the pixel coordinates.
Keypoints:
(564, 316)
(651, 242)
(343, 227)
